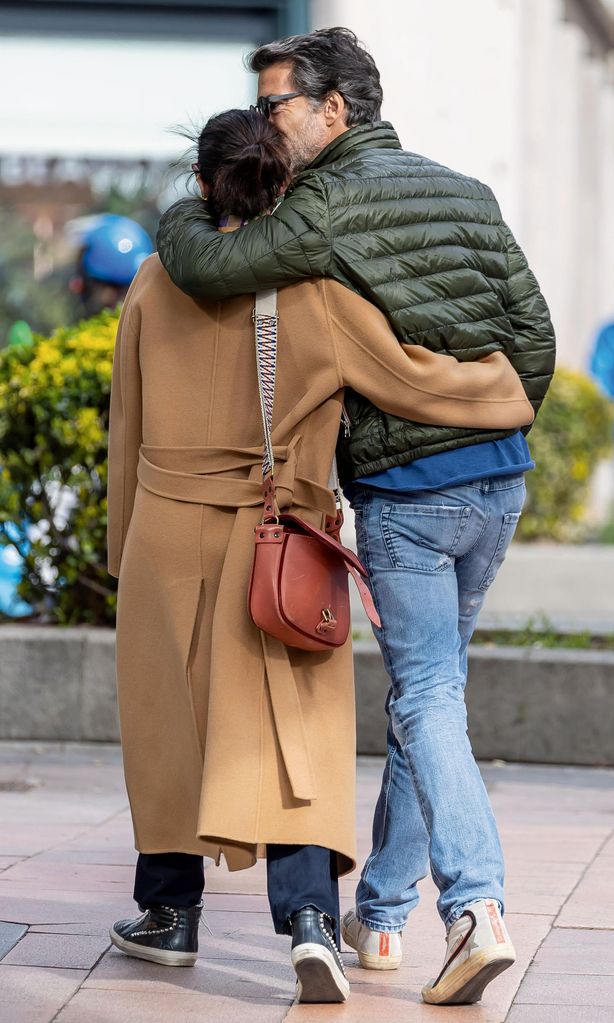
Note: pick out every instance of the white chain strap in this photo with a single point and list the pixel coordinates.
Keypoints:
(265, 321)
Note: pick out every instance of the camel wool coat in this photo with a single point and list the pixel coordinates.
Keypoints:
(230, 739)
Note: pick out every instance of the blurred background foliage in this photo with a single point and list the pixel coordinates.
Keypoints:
(572, 434)
(42, 303)
(35, 272)
(54, 409)
(54, 413)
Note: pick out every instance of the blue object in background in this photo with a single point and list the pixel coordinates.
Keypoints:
(11, 568)
(114, 249)
(602, 360)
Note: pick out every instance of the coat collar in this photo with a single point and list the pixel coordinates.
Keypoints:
(380, 135)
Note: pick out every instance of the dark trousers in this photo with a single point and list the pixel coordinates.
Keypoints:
(297, 876)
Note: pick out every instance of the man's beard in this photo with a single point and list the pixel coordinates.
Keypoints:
(304, 147)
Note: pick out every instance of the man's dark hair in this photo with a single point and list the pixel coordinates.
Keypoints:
(325, 61)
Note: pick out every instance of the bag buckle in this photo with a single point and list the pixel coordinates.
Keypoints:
(328, 622)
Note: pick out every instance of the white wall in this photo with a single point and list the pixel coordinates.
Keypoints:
(506, 91)
(113, 98)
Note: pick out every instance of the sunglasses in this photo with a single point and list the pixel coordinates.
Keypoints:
(265, 104)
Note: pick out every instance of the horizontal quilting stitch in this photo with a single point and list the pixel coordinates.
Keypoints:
(413, 181)
(420, 223)
(438, 300)
(417, 276)
(455, 323)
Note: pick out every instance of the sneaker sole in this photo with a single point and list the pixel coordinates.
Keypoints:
(465, 985)
(319, 977)
(371, 961)
(161, 956)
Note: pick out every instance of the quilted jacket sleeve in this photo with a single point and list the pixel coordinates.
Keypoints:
(533, 354)
(125, 433)
(291, 244)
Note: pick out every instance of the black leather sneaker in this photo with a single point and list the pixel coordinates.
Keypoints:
(162, 935)
(316, 959)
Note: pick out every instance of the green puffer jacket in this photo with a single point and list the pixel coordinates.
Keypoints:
(425, 244)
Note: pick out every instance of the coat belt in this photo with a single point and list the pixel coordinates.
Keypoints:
(207, 476)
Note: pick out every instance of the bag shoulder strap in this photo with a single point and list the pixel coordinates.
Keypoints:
(265, 323)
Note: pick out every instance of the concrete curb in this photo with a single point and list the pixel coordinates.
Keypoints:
(525, 704)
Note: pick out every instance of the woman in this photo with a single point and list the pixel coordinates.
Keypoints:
(232, 742)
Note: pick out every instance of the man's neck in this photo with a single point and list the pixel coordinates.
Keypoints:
(229, 222)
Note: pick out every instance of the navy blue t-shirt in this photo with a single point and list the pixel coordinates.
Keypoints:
(507, 457)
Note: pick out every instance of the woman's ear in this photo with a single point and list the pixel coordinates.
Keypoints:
(203, 186)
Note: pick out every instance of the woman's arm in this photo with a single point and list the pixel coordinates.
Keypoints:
(412, 382)
(125, 432)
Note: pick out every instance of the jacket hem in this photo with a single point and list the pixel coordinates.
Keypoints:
(424, 451)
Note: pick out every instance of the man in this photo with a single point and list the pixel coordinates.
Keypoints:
(435, 508)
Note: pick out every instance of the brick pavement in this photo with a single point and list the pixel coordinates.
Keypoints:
(66, 873)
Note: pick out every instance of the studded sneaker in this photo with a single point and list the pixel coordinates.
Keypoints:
(316, 959)
(478, 950)
(377, 950)
(162, 935)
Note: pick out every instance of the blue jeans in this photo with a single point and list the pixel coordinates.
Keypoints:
(431, 556)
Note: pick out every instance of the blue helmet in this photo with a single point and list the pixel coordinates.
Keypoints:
(114, 249)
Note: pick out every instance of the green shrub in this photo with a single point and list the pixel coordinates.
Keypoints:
(54, 411)
(572, 433)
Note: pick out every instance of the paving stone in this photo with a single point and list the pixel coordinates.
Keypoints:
(398, 1005)
(253, 977)
(592, 902)
(570, 989)
(567, 937)
(70, 951)
(9, 936)
(237, 903)
(564, 1014)
(577, 951)
(69, 876)
(36, 907)
(8, 861)
(33, 994)
(246, 882)
(118, 856)
(100, 929)
(225, 996)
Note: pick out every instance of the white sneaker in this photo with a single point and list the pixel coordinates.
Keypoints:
(377, 950)
(478, 950)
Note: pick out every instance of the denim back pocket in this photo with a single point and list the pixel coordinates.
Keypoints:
(506, 535)
(423, 537)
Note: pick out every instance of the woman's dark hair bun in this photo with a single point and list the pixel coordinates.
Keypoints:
(243, 159)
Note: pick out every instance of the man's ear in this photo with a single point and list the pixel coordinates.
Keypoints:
(334, 108)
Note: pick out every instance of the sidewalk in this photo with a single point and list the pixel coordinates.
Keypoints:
(66, 872)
